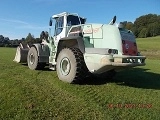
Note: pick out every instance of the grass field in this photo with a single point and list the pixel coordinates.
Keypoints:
(150, 47)
(132, 95)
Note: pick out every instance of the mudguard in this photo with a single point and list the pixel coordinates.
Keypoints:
(74, 41)
(43, 52)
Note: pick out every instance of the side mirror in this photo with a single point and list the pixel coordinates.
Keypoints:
(50, 22)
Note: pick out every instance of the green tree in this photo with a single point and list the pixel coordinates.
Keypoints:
(38, 40)
(154, 29)
(129, 25)
(147, 25)
(143, 33)
(1, 38)
(30, 39)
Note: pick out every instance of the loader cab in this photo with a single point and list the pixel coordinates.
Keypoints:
(63, 22)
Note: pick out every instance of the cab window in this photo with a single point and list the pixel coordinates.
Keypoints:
(74, 20)
(59, 25)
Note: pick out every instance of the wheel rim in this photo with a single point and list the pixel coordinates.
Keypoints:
(32, 59)
(65, 66)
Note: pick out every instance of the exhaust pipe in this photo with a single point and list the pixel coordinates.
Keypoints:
(21, 53)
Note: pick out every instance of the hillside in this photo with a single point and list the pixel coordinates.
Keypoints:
(150, 47)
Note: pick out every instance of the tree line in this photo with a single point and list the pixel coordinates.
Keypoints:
(30, 39)
(144, 26)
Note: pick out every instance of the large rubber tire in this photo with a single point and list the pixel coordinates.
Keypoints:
(71, 67)
(32, 60)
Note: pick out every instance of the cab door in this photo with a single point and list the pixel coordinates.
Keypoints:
(59, 30)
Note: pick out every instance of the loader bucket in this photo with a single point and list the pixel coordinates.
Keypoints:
(21, 53)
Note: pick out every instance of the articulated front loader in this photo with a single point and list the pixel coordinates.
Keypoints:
(77, 48)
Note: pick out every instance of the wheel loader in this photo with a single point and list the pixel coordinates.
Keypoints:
(77, 48)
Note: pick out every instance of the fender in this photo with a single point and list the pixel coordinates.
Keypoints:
(43, 52)
(73, 41)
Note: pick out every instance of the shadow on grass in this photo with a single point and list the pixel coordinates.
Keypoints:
(136, 77)
(46, 68)
(139, 78)
(95, 80)
(24, 64)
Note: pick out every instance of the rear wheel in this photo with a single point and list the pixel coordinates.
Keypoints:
(32, 60)
(71, 67)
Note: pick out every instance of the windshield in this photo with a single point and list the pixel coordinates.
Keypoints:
(74, 20)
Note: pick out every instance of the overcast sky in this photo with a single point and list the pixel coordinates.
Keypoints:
(20, 17)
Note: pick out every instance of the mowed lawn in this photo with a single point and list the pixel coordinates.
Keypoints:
(150, 47)
(132, 95)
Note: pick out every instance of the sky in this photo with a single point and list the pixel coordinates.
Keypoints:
(20, 17)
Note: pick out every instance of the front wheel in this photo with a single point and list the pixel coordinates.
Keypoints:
(71, 67)
(32, 60)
